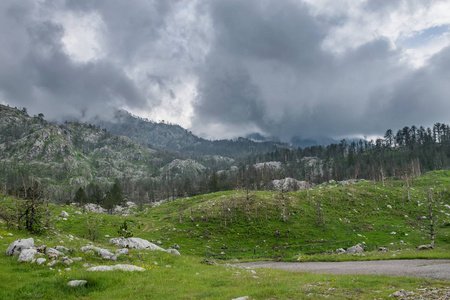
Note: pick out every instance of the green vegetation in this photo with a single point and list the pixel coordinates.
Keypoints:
(197, 222)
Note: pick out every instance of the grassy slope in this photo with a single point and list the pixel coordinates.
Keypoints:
(187, 278)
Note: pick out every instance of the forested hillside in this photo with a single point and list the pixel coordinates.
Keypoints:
(175, 138)
(66, 157)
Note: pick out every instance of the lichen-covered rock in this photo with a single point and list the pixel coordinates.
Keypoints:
(27, 255)
(135, 243)
(17, 246)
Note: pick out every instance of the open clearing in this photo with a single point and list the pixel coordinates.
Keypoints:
(432, 269)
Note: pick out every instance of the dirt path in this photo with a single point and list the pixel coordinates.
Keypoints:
(432, 268)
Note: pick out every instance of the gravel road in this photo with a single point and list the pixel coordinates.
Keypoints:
(428, 268)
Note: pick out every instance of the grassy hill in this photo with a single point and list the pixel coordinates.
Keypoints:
(325, 216)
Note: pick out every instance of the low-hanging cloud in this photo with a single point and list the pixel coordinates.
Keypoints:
(227, 68)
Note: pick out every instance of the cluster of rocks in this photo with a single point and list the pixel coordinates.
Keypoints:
(27, 251)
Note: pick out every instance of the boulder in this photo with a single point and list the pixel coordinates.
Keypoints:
(173, 251)
(116, 267)
(61, 248)
(105, 254)
(53, 253)
(27, 255)
(77, 283)
(40, 261)
(424, 247)
(67, 260)
(17, 246)
(341, 251)
(63, 214)
(40, 248)
(134, 243)
(355, 249)
(122, 251)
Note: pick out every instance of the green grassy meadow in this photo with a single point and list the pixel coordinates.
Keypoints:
(323, 218)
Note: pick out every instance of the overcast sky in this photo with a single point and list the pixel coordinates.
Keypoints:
(227, 68)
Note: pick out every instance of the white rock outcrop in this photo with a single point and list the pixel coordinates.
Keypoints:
(134, 243)
(27, 255)
(17, 246)
(129, 268)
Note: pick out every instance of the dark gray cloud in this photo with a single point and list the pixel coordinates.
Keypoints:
(225, 67)
(274, 49)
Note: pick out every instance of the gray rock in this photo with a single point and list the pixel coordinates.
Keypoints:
(401, 293)
(77, 258)
(130, 268)
(241, 298)
(159, 242)
(89, 247)
(67, 260)
(122, 251)
(355, 249)
(61, 248)
(105, 254)
(53, 253)
(424, 247)
(86, 265)
(40, 248)
(17, 246)
(176, 246)
(77, 283)
(114, 258)
(27, 255)
(382, 249)
(341, 251)
(173, 251)
(63, 214)
(134, 243)
(40, 261)
(52, 263)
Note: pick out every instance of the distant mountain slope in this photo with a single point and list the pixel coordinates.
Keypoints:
(72, 154)
(176, 138)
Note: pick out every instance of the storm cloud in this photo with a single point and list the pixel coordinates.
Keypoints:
(228, 68)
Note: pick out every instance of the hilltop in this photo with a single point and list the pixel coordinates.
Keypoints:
(175, 138)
